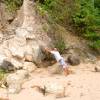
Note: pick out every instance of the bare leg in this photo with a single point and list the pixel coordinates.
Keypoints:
(66, 71)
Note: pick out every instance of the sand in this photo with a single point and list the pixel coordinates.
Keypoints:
(83, 84)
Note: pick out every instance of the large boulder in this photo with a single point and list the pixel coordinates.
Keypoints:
(26, 49)
(7, 66)
(15, 81)
(4, 55)
(18, 64)
(33, 51)
(56, 88)
(17, 46)
(73, 60)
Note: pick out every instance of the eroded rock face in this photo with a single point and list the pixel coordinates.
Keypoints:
(28, 38)
(18, 50)
(16, 46)
(31, 30)
(25, 32)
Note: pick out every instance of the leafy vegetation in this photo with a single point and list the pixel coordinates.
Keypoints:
(2, 74)
(53, 9)
(57, 10)
(87, 20)
(13, 5)
(60, 44)
(59, 37)
(84, 15)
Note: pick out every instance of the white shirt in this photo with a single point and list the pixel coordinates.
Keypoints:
(56, 55)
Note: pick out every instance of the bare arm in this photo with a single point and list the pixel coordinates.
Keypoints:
(48, 50)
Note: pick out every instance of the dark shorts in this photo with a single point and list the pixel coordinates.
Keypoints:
(63, 63)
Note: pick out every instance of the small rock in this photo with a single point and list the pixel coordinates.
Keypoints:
(97, 69)
(29, 66)
(28, 57)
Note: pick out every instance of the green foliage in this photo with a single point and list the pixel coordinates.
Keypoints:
(2, 74)
(60, 45)
(13, 5)
(57, 13)
(95, 45)
(97, 3)
(59, 39)
(87, 20)
(57, 10)
(84, 15)
(41, 11)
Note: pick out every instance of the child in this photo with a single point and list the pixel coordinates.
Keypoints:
(59, 59)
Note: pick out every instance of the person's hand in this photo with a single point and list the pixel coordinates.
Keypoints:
(46, 48)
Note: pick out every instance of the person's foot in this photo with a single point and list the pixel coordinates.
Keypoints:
(67, 72)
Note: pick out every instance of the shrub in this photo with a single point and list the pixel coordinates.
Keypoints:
(87, 20)
(13, 5)
(60, 45)
(59, 39)
(57, 10)
(2, 74)
(84, 15)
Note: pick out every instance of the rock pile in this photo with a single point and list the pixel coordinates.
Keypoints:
(23, 51)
